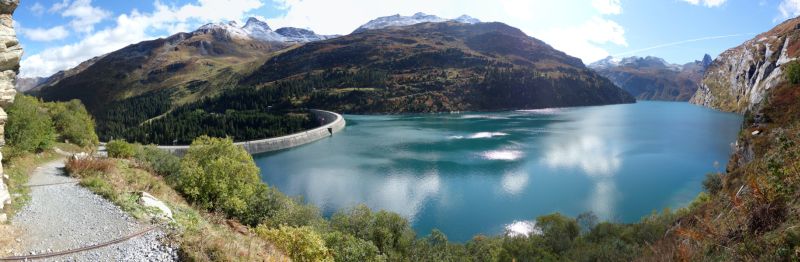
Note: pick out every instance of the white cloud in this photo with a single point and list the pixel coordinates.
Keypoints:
(44, 34)
(707, 3)
(84, 15)
(789, 9)
(611, 7)
(37, 9)
(583, 41)
(58, 6)
(132, 28)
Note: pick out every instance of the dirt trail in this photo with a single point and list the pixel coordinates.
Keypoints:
(64, 216)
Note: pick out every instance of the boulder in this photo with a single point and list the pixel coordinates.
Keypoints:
(147, 200)
(81, 156)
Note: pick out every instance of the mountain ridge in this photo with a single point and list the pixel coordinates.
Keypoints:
(398, 20)
(407, 55)
(653, 78)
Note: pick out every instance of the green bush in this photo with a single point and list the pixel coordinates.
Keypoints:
(73, 123)
(436, 247)
(347, 248)
(294, 213)
(120, 149)
(218, 175)
(482, 248)
(558, 231)
(159, 161)
(713, 183)
(793, 72)
(300, 243)
(29, 127)
(388, 231)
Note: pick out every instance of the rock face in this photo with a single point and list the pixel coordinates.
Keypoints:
(10, 54)
(740, 77)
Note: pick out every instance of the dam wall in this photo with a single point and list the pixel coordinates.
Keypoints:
(331, 124)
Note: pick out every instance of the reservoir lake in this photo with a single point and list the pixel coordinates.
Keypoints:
(478, 173)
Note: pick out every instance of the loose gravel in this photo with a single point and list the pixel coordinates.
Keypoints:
(67, 216)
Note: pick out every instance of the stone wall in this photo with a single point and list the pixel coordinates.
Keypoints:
(10, 54)
(331, 124)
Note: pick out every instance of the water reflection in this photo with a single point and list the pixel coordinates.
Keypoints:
(505, 154)
(515, 182)
(589, 153)
(591, 147)
(402, 193)
(467, 174)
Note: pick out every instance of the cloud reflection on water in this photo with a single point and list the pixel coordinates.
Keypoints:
(589, 153)
(591, 148)
(515, 182)
(403, 193)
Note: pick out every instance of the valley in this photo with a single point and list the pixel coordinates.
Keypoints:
(504, 138)
(164, 89)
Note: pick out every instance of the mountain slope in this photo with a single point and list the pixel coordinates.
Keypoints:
(190, 65)
(652, 78)
(25, 84)
(750, 212)
(434, 67)
(739, 78)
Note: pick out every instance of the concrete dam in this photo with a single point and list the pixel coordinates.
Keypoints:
(331, 123)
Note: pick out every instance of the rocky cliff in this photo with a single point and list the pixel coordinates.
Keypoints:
(10, 54)
(740, 77)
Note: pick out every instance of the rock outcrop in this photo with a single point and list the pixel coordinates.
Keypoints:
(740, 77)
(10, 54)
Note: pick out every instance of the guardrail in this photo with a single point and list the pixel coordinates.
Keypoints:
(332, 123)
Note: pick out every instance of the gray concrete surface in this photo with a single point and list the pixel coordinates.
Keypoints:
(332, 123)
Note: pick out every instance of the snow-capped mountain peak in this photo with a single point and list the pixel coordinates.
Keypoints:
(635, 61)
(293, 34)
(259, 30)
(418, 18)
(254, 24)
(231, 29)
(607, 62)
(465, 19)
(255, 29)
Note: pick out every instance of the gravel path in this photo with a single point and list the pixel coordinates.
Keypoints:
(67, 216)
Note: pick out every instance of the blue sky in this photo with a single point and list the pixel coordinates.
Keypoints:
(59, 34)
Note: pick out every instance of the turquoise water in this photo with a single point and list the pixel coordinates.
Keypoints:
(474, 173)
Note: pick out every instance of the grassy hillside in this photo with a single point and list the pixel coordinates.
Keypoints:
(130, 86)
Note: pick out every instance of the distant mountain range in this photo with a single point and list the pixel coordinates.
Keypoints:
(255, 29)
(394, 64)
(652, 78)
